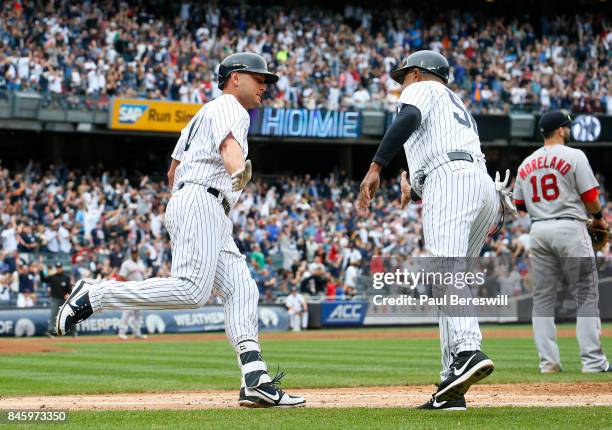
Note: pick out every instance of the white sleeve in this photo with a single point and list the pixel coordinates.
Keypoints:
(180, 144)
(585, 179)
(517, 193)
(229, 117)
(419, 95)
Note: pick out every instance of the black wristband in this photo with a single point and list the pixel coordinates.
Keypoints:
(414, 196)
(597, 215)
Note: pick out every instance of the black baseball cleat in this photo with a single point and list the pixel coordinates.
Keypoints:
(76, 309)
(449, 405)
(467, 368)
(268, 395)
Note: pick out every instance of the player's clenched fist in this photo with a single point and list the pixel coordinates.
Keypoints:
(242, 176)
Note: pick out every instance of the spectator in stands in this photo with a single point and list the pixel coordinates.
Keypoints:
(26, 241)
(350, 277)
(331, 287)
(325, 59)
(5, 285)
(257, 257)
(303, 231)
(9, 236)
(27, 279)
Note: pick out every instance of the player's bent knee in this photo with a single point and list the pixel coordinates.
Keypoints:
(194, 297)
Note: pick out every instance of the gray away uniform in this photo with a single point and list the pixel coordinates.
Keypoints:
(550, 182)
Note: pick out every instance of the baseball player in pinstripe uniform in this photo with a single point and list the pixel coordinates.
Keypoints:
(558, 189)
(207, 174)
(460, 201)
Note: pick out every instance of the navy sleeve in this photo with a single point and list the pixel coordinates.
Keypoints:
(407, 121)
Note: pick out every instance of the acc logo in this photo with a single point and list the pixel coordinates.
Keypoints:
(129, 114)
(586, 128)
(346, 313)
(155, 324)
(24, 327)
(267, 317)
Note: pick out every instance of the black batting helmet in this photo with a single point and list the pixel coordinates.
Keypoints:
(245, 62)
(428, 61)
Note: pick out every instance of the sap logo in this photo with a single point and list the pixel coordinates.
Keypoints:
(129, 114)
(346, 313)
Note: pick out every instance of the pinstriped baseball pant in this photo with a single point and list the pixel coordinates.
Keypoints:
(204, 256)
(460, 204)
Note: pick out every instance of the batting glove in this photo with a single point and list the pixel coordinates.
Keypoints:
(505, 195)
(241, 177)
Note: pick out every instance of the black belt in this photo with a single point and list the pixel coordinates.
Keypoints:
(215, 192)
(455, 156)
(555, 219)
(460, 156)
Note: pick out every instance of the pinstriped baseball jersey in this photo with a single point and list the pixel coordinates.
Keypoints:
(551, 180)
(198, 146)
(446, 126)
(459, 197)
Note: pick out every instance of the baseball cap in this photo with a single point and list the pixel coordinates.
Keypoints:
(554, 119)
(59, 264)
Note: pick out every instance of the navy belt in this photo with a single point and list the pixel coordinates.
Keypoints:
(215, 192)
(568, 218)
(454, 156)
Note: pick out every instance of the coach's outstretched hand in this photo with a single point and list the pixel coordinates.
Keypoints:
(241, 177)
(368, 188)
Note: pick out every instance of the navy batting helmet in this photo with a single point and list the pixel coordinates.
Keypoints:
(428, 61)
(245, 62)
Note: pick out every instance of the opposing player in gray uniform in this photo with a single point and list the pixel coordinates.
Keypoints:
(556, 186)
(460, 201)
(207, 174)
(132, 269)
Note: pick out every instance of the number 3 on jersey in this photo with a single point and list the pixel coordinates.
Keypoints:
(548, 185)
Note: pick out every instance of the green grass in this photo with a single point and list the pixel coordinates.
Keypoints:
(591, 418)
(211, 364)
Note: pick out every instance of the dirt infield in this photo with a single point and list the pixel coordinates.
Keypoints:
(530, 394)
(560, 394)
(61, 344)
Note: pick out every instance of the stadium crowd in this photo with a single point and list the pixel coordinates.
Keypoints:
(82, 53)
(301, 232)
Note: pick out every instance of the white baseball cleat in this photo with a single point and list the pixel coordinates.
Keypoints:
(76, 309)
(268, 395)
(451, 405)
